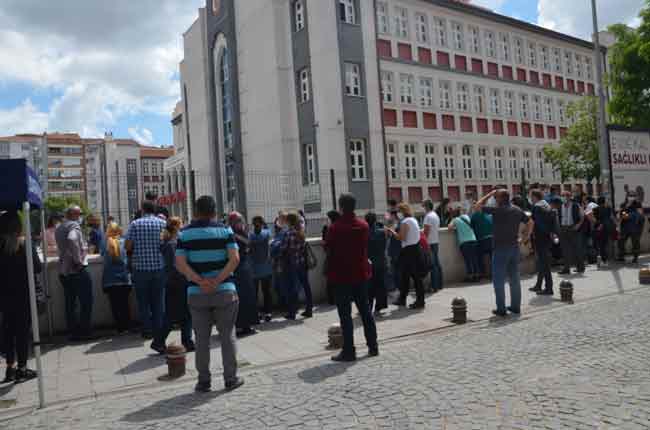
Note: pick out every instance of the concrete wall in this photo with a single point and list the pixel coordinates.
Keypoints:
(450, 259)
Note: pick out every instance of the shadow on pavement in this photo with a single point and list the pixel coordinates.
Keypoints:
(6, 389)
(318, 374)
(115, 344)
(542, 301)
(278, 324)
(172, 407)
(142, 365)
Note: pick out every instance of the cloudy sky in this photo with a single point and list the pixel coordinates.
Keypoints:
(90, 66)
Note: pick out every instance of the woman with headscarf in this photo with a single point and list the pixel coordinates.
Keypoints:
(247, 316)
(260, 243)
(14, 297)
(293, 253)
(116, 280)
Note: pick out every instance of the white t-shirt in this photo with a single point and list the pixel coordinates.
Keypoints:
(413, 235)
(433, 220)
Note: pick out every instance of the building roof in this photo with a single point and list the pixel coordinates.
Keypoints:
(481, 12)
(21, 138)
(148, 152)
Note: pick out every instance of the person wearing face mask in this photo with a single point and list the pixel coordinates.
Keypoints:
(260, 240)
(410, 256)
(571, 237)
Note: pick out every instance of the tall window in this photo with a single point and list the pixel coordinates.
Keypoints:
(495, 102)
(226, 98)
(509, 103)
(483, 164)
(540, 164)
(383, 21)
(305, 91)
(145, 167)
(445, 95)
(468, 172)
(459, 37)
(557, 60)
(519, 51)
(498, 164)
(154, 168)
(299, 14)
(430, 171)
(548, 109)
(537, 108)
(532, 54)
(561, 111)
(352, 79)
(401, 22)
(310, 159)
(504, 41)
(422, 28)
(490, 44)
(462, 97)
(387, 86)
(588, 69)
(410, 161)
(450, 162)
(358, 159)
(523, 106)
(392, 160)
(568, 62)
(406, 88)
(514, 164)
(579, 71)
(441, 31)
(527, 159)
(479, 99)
(546, 61)
(426, 92)
(475, 37)
(347, 11)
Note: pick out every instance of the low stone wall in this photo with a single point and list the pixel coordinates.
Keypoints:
(450, 259)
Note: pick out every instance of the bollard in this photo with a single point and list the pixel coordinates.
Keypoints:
(335, 337)
(644, 276)
(459, 309)
(566, 292)
(176, 361)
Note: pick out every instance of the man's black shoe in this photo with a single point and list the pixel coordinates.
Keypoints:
(513, 311)
(535, 289)
(545, 293)
(373, 352)
(499, 313)
(233, 385)
(416, 305)
(203, 387)
(342, 357)
(307, 314)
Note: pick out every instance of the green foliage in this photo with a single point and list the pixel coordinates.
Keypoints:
(629, 77)
(55, 204)
(576, 157)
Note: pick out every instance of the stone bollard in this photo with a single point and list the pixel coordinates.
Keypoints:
(644, 276)
(335, 337)
(176, 361)
(566, 291)
(459, 309)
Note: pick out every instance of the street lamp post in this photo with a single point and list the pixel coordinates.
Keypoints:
(603, 148)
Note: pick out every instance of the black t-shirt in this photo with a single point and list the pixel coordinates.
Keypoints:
(506, 221)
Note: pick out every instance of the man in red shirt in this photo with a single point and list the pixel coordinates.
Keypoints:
(349, 271)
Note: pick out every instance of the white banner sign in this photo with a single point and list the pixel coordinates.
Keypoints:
(630, 152)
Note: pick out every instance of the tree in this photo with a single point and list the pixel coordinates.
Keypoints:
(576, 157)
(629, 77)
(55, 204)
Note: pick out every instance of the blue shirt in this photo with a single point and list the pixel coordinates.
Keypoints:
(260, 244)
(144, 233)
(205, 245)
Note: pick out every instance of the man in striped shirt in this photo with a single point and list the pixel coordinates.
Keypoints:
(207, 255)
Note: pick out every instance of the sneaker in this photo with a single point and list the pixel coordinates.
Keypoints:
(160, 349)
(344, 358)
(10, 375)
(233, 385)
(24, 375)
(203, 387)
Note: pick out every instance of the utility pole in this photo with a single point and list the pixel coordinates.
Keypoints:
(603, 147)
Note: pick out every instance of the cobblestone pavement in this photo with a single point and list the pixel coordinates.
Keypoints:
(578, 367)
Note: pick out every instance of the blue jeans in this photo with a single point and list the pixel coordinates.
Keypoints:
(150, 293)
(78, 287)
(470, 255)
(345, 295)
(484, 248)
(303, 278)
(436, 268)
(505, 263)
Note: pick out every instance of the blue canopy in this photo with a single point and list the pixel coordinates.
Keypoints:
(18, 184)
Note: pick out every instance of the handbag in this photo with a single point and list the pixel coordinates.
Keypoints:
(310, 258)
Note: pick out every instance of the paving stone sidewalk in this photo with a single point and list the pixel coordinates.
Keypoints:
(81, 371)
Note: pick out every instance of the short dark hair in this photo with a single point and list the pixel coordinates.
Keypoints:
(258, 220)
(333, 215)
(148, 207)
(347, 202)
(537, 193)
(601, 201)
(392, 202)
(206, 207)
(427, 204)
(371, 218)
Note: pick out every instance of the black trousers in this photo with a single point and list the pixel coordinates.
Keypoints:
(377, 295)
(408, 263)
(573, 249)
(543, 261)
(636, 244)
(118, 296)
(264, 284)
(357, 293)
(15, 325)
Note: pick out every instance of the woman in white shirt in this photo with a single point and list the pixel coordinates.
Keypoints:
(410, 257)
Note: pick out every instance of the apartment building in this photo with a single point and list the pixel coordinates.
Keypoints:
(32, 148)
(390, 98)
(66, 163)
(152, 161)
(176, 169)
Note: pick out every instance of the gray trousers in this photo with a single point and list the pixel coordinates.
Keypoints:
(220, 310)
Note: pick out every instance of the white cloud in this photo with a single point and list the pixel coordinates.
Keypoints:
(490, 4)
(143, 136)
(574, 17)
(108, 60)
(25, 118)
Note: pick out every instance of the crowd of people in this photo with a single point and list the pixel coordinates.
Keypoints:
(212, 271)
